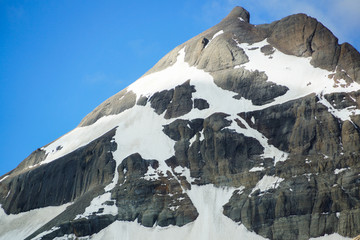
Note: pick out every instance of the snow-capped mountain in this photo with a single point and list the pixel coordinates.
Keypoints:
(243, 132)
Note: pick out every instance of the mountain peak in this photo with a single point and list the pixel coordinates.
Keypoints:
(240, 13)
(255, 126)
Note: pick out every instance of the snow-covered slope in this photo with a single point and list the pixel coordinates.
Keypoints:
(226, 137)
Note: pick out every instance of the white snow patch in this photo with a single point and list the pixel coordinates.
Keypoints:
(256, 169)
(290, 71)
(241, 19)
(338, 214)
(151, 174)
(213, 37)
(4, 178)
(343, 114)
(308, 176)
(184, 172)
(211, 224)
(334, 236)
(241, 190)
(217, 34)
(192, 140)
(99, 203)
(337, 171)
(179, 169)
(201, 138)
(70, 237)
(253, 119)
(173, 208)
(266, 183)
(19, 226)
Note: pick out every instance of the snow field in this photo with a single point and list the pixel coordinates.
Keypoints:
(19, 226)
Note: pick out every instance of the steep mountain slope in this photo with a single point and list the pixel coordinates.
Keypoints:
(244, 131)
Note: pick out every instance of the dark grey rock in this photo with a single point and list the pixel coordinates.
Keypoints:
(267, 50)
(81, 227)
(181, 102)
(222, 158)
(303, 206)
(161, 100)
(303, 126)
(185, 129)
(60, 181)
(150, 201)
(200, 104)
(176, 102)
(142, 101)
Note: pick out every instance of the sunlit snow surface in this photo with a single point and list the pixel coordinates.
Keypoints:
(139, 130)
(334, 236)
(19, 226)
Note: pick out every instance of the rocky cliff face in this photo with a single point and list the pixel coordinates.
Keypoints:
(243, 130)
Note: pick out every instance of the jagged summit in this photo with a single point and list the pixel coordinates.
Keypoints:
(243, 131)
(238, 13)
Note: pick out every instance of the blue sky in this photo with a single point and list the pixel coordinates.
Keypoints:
(60, 59)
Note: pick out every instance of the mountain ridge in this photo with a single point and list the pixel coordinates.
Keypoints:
(230, 118)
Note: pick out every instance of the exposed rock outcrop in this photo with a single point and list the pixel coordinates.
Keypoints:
(176, 102)
(60, 181)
